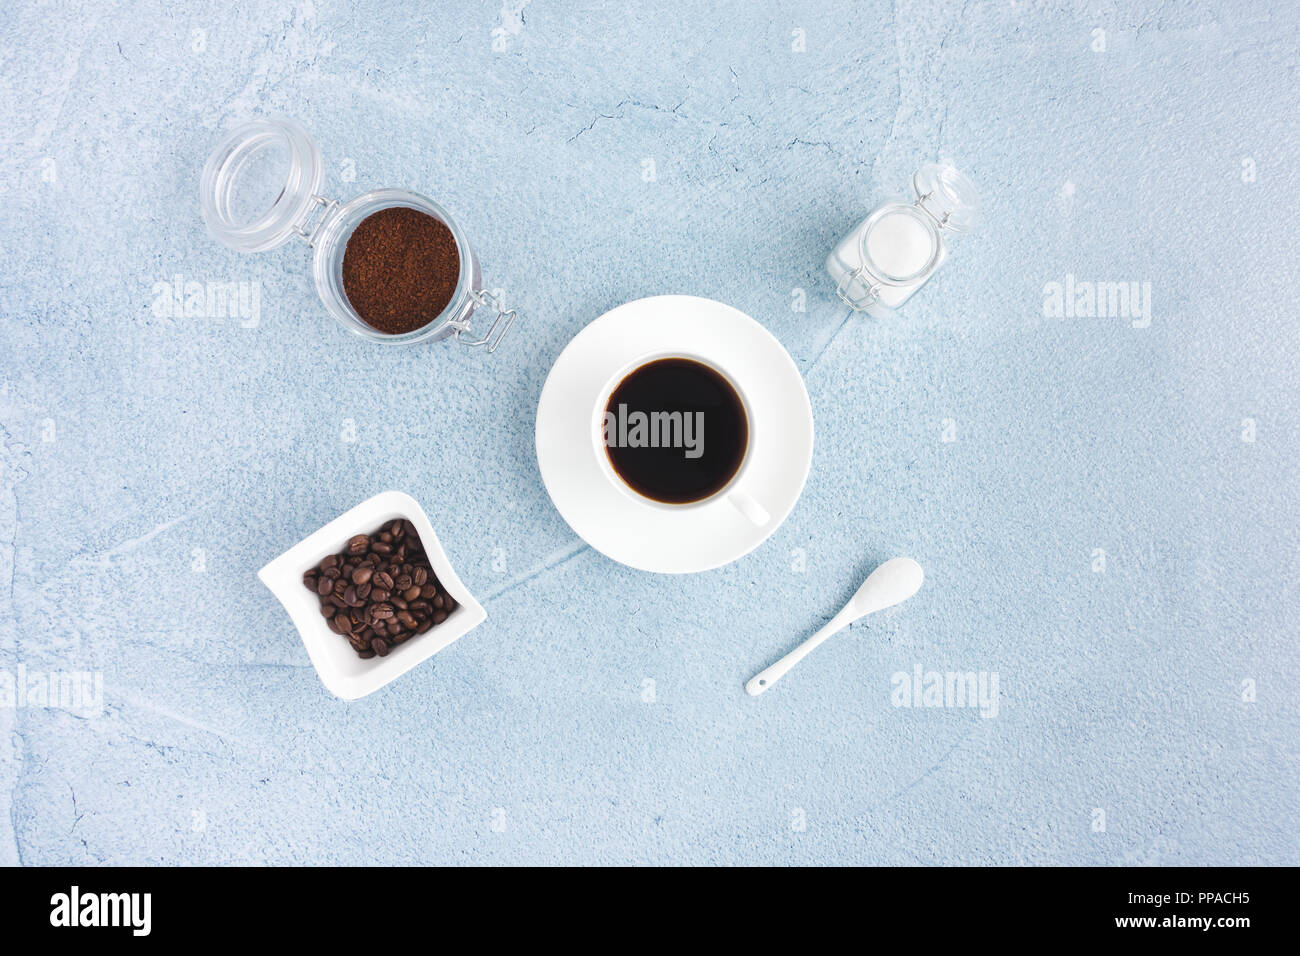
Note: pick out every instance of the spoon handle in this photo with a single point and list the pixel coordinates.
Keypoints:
(766, 678)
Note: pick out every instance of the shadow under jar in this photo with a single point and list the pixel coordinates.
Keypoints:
(260, 188)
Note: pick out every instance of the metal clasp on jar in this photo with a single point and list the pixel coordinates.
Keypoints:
(502, 322)
(319, 205)
(860, 303)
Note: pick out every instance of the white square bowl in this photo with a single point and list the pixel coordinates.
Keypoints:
(340, 669)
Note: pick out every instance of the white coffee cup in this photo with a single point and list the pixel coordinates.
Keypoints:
(733, 491)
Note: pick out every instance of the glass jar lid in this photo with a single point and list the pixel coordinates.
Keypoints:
(948, 195)
(259, 184)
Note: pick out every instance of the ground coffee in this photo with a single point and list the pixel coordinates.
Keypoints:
(400, 269)
(380, 590)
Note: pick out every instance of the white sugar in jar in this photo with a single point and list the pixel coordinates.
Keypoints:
(880, 264)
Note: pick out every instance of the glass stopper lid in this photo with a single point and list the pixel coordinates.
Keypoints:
(259, 184)
(948, 195)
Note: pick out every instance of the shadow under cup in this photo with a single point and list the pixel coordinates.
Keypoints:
(674, 428)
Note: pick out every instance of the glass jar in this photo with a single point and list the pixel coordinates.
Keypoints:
(890, 254)
(260, 188)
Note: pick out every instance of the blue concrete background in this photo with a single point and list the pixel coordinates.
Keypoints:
(1112, 527)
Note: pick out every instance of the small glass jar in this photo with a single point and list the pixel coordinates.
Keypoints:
(881, 263)
(260, 188)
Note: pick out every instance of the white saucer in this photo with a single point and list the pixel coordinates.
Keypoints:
(641, 534)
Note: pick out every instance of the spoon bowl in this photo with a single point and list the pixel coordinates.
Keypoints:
(891, 583)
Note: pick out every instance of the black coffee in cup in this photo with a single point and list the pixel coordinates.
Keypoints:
(675, 430)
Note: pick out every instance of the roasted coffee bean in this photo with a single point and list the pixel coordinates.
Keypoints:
(379, 591)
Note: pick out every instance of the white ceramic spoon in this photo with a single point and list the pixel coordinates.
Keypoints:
(892, 583)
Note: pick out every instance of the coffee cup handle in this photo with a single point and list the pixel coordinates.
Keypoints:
(750, 508)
